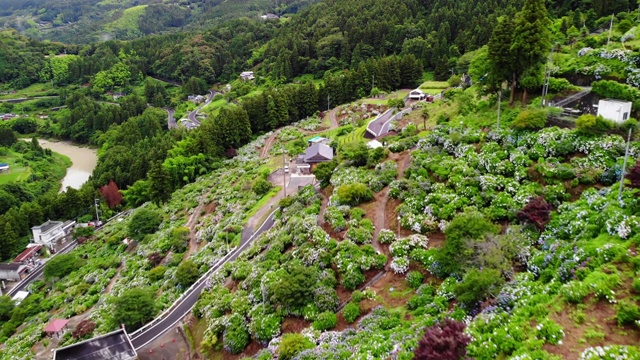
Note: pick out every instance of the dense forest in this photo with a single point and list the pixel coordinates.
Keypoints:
(82, 21)
(488, 227)
(348, 45)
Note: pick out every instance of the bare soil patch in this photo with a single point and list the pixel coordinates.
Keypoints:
(600, 317)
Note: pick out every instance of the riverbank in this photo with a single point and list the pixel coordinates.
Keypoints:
(83, 161)
(28, 168)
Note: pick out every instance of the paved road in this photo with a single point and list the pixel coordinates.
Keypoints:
(181, 308)
(193, 115)
(171, 121)
(379, 124)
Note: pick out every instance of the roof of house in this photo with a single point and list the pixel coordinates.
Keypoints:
(4, 164)
(55, 325)
(11, 266)
(115, 345)
(318, 152)
(27, 253)
(316, 139)
(49, 225)
(20, 295)
(616, 101)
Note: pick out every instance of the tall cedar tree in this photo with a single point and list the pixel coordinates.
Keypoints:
(520, 46)
(634, 176)
(443, 341)
(112, 194)
(531, 40)
(536, 212)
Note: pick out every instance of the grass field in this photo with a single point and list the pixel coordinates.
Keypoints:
(128, 20)
(400, 94)
(15, 173)
(30, 91)
(433, 87)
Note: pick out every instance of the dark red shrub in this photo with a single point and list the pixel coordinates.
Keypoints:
(112, 194)
(155, 259)
(443, 341)
(536, 212)
(634, 176)
(84, 328)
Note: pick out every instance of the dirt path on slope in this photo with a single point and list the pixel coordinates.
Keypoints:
(268, 144)
(333, 119)
(403, 161)
(191, 224)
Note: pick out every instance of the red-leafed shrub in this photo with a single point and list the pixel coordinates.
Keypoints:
(443, 341)
(112, 194)
(155, 259)
(536, 212)
(84, 328)
(634, 176)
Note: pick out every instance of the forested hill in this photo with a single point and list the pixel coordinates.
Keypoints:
(85, 21)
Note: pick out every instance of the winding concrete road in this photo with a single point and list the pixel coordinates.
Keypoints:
(193, 116)
(182, 307)
(171, 121)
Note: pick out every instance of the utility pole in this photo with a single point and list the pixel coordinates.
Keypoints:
(610, 28)
(373, 82)
(284, 186)
(499, 103)
(328, 101)
(624, 166)
(547, 75)
(95, 202)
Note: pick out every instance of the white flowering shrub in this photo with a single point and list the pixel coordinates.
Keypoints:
(610, 352)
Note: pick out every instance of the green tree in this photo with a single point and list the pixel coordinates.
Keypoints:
(323, 172)
(356, 152)
(530, 120)
(457, 253)
(476, 286)
(500, 56)
(187, 273)
(160, 187)
(261, 186)
(133, 308)
(292, 344)
(6, 307)
(295, 289)
(62, 265)
(531, 40)
(144, 221)
(354, 194)
(195, 85)
(7, 136)
(8, 241)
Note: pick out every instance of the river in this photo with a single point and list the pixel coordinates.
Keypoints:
(84, 161)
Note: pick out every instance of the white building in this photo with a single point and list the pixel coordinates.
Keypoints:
(614, 110)
(48, 233)
(247, 75)
(417, 94)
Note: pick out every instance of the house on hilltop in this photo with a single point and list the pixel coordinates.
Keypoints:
(318, 153)
(4, 167)
(269, 16)
(417, 94)
(48, 233)
(247, 75)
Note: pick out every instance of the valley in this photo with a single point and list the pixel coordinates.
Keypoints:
(337, 180)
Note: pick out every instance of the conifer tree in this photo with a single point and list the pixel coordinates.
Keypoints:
(531, 40)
